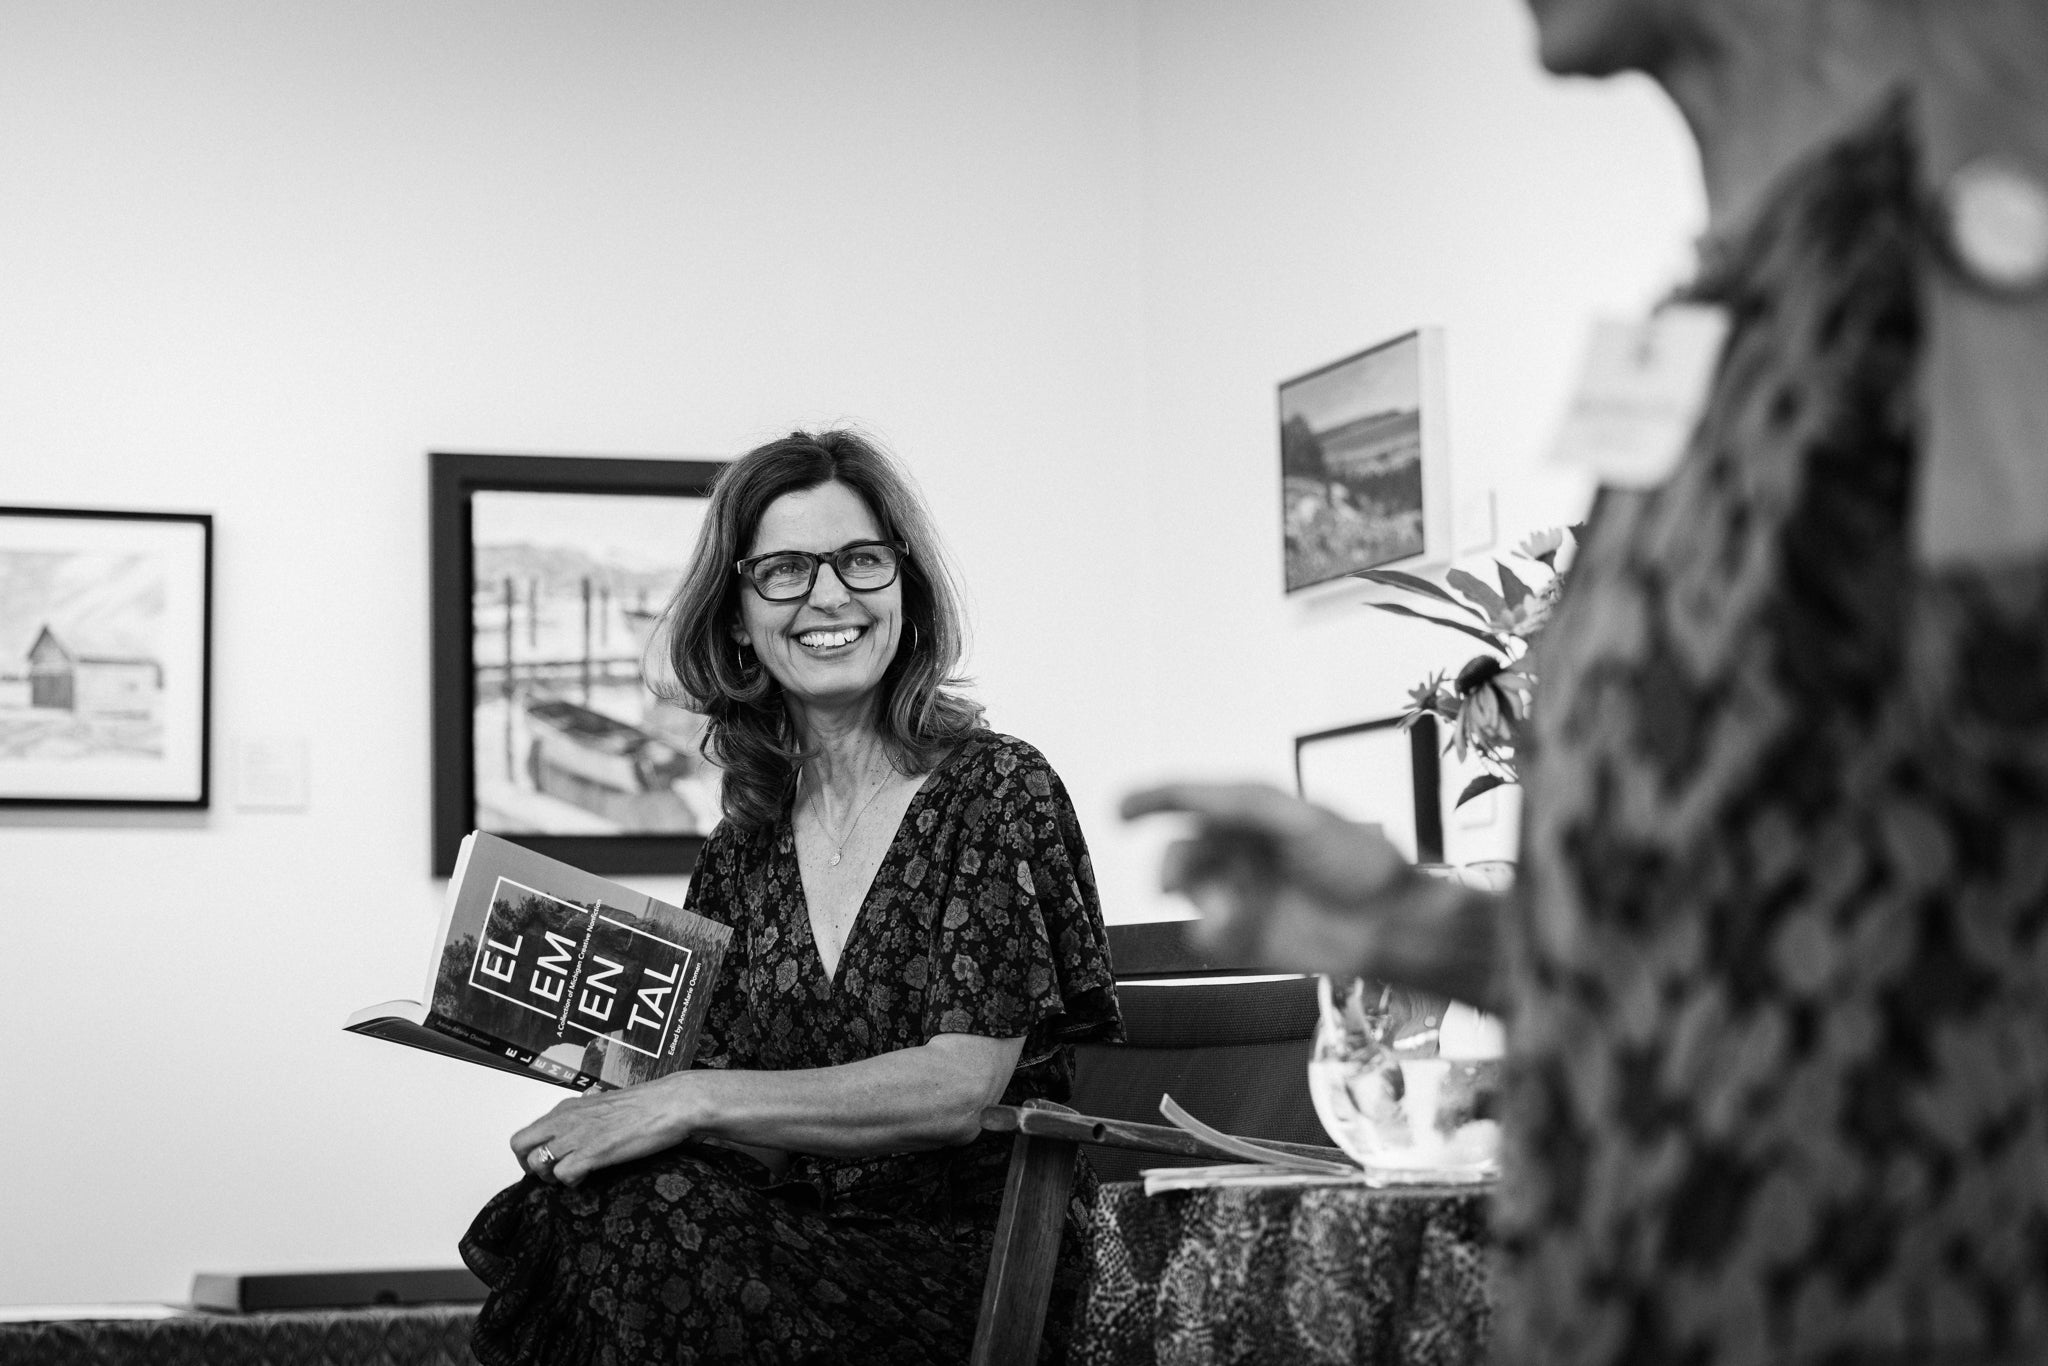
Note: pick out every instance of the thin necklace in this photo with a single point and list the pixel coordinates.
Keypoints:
(818, 817)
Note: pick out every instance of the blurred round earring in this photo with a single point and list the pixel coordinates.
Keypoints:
(1992, 219)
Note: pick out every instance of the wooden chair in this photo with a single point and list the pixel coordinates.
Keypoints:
(1234, 1054)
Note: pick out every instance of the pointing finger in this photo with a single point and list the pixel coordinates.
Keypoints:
(1257, 804)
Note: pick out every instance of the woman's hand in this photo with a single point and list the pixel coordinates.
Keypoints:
(1284, 884)
(602, 1129)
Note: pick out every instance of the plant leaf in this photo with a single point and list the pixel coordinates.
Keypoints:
(1394, 578)
(1489, 637)
(1512, 589)
(1485, 782)
(1477, 590)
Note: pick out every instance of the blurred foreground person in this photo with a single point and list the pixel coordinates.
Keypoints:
(1776, 972)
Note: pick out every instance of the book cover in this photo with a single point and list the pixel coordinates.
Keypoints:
(544, 969)
(244, 1292)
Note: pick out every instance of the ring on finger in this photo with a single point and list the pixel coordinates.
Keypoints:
(543, 1157)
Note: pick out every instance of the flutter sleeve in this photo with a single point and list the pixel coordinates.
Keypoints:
(1018, 946)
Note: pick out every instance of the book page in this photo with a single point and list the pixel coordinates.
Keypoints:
(447, 918)
(1244, 1147)
(1254, 1174)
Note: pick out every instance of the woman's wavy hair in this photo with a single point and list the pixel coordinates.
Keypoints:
(750, 734)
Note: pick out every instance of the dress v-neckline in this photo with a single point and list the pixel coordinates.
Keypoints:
(860, 913)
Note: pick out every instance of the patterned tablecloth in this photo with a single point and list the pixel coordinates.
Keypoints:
(1296, 1276)
(420, 1335)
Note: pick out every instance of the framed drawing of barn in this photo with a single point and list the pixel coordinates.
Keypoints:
(105, 657)
(550, 574)
(1365, 478)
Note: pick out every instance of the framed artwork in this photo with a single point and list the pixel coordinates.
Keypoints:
(106, 644)
(1382, 774)
(1364, 462)
(550, 574)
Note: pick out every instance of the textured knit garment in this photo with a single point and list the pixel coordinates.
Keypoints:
(1780, 1086)
(983, 919)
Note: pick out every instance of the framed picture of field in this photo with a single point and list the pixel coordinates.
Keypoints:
(105, 657)
(550, 574)
(1381, 773)
(1364, 462)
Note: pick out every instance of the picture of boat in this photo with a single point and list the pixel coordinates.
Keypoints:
(607, 766)
(569, 738)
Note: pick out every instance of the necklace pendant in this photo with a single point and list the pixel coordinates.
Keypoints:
(834, 860)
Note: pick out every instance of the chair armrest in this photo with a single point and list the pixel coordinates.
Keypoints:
(1041, 1119)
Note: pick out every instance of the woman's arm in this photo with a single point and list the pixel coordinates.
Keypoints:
(915, 1098)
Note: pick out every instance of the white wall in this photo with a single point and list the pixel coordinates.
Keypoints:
(259, 258)
(1322, 176)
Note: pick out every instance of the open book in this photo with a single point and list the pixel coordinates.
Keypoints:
(1262, 1166)
(543, 969)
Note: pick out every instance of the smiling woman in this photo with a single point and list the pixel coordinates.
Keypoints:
(814, 493)
(825, 613)
(917, 935)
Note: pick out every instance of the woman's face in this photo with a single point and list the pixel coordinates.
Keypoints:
(1602, 37)
(832, 647)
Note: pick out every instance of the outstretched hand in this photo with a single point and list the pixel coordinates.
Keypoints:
(1283, 884)
(1333, 858)
(1276, 879)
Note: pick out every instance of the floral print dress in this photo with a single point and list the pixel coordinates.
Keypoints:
(1779, 1081)
(982, 919)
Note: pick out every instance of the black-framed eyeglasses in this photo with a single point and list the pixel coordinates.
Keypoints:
(786, 575)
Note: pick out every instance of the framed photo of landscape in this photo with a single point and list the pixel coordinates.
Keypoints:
(105, 657)
(1382, 773)
(550, 575)
(1365, 477)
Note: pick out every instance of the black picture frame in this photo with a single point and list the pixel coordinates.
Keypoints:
(1380, 738)
(109, 703)
(454, 479)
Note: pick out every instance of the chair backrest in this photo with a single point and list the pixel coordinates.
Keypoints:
(1233, 1053)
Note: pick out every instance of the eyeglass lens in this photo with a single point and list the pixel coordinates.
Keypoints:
(863, 566)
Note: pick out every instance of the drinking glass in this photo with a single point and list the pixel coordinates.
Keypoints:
(1417, 1109)
(1488, 874)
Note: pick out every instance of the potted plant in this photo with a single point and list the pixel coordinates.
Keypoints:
(1485, 704)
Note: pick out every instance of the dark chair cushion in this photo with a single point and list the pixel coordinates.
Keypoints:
(1201, 1014)
(1234, 1054)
